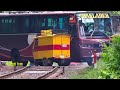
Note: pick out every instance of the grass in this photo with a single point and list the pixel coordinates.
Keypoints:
(87, 73)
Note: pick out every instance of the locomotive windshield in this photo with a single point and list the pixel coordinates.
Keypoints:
(97, 25)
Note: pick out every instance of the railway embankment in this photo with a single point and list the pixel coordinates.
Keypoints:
(84, 72)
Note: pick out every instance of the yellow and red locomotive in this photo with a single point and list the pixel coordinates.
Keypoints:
(49, 48)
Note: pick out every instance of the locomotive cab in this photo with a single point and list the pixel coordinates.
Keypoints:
(49, 48)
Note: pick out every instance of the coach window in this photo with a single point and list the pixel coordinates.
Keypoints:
(43, 22)
(6, 26)
(6, 20)
(27, 22)
(32, 24)
(10, 20)
(9, 25)
(60, 23)
(14, 25)
(13, 20)
(49, 22)
(3, 26)
(2, 20)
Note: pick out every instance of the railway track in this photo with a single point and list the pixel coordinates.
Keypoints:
(34, 72)
(44, 76)
(13, 73)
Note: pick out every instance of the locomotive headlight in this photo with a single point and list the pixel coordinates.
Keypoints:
(62, 56)
(64, 45)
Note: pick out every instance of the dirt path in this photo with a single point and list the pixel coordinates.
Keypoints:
(71, 69)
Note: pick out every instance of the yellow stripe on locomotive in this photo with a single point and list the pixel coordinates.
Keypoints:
(57, 45)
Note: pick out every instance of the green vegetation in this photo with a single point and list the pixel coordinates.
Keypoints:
(87, 73)
(111, 57)
(108, 67)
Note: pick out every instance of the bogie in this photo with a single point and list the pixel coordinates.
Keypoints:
(64, 62)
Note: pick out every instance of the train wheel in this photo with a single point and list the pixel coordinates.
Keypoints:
(41, 63)
(36, 62)
(89, 61)
(47, 62)
(15, 55)
(64, 62)
(25, 63)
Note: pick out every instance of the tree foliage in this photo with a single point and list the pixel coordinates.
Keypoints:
(111, 56)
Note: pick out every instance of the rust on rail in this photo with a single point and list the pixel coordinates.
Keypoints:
(14, 72)
(49, 73)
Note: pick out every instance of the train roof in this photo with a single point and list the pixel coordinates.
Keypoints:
(17, 13)
(20, 13)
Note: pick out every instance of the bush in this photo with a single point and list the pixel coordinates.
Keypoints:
(111, 56)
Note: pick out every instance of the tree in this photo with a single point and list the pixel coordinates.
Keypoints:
(111, 57)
